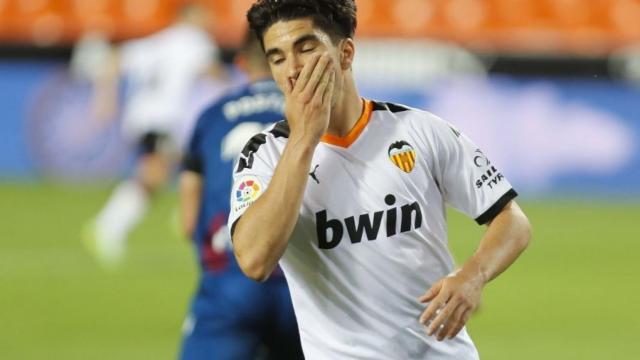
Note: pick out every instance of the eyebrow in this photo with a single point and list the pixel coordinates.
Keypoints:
(300, 40)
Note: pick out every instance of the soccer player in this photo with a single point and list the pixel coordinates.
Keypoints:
(161, 70)
(349, 195)
(232, 317)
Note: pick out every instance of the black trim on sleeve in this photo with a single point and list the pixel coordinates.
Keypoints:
(192, 163)
(496, 208)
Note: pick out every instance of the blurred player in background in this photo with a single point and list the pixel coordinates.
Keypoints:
(160, 70)
(232, 317)
(349, 196)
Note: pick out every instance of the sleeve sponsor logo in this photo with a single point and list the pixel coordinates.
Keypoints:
(491, 177)
(245, 192)
(481, 159)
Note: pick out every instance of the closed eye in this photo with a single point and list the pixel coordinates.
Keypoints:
(277, 61)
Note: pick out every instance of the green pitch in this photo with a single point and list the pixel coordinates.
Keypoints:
(573, 295)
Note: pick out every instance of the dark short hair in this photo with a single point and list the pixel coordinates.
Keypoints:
(252, 50)
(251, 45)
(335, 17)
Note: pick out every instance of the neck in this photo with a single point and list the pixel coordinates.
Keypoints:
(346, 112)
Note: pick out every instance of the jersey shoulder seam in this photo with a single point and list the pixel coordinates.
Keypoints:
(389, 106)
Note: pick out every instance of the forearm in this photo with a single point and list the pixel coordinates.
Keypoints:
(505, 239)
(190, 194)
(453, 298)
(105, 98)
(261, 235)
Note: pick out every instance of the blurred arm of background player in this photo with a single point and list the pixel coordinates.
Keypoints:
(106, 86)
(455, 297)
(249, 59)
(96, 60)
(190, 195)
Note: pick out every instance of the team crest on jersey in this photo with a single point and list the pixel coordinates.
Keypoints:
(402, 155)
(246, 191)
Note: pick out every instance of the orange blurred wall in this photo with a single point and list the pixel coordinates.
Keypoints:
(573, 26)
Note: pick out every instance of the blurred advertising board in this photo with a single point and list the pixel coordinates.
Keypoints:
(547, 135)
(48, 128)
(569, 136)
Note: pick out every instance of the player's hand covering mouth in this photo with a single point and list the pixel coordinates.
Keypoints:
(292, 81)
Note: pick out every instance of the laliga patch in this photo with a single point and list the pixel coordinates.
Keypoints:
(245, 191)
(402, 155)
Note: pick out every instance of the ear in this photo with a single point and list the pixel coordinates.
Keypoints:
(347, 53)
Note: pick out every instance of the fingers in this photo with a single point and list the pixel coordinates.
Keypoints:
(288, 87)
(445, 318)
(320, 73)
(327, 96)
(442, 318)
(434, 308)
(305, 75)
(451, 303)
(456, 323)
(431, 293)
(325, 86)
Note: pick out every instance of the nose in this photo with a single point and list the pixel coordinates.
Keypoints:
(294, 67)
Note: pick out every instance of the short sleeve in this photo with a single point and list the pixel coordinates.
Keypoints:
(469, 181)
(251, 176)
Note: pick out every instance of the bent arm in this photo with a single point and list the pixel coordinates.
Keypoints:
(455, 297)
(507, 235)
(261, 235)
(190, 195)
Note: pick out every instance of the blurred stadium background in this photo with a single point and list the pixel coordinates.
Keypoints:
(549, 88)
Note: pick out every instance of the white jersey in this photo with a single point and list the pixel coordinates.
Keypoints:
(372, 233)
(161, 71)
